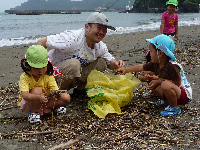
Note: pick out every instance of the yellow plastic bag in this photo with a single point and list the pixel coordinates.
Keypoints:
(109, 92)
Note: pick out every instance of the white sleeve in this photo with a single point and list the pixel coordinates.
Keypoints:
(57, 42)
(105, 54)
(64, 41)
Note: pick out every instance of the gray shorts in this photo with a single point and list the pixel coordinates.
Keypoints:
(71, 68)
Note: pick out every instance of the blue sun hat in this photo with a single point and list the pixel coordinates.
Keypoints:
(165, 44)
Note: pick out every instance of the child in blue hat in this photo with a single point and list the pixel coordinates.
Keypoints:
(167, 79)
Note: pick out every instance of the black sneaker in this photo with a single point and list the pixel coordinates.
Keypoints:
(80, 92)
(77, 93)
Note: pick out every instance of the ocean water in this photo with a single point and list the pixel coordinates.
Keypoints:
(25, 29)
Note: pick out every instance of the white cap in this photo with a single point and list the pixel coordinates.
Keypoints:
(99, 18)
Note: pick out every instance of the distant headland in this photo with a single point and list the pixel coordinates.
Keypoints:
(37, 7)
(68, 6)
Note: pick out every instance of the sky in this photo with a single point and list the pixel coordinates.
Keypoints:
(7, 4)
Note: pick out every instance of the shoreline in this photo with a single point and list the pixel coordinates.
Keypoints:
(120, 45)
(18, 41)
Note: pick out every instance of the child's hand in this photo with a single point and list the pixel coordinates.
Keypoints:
(154, 77)
(43, 99)
(153, 84)
(122, 71)
(143, 73)
(146, 77)
(52, 97)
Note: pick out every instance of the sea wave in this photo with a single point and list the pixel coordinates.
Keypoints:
(119, 30)
(18, 41)
(33, 39)
(152, 24)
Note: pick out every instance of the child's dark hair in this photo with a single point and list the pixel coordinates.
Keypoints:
(148, 57)
(172, 4)
(27, 68)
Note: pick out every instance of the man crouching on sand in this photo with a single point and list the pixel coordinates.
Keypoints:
(77, 52)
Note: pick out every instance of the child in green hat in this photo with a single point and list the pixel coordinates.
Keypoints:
(169, 20)
(167, 79)
(36, 83)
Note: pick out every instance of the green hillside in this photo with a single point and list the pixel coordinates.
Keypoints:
(144, 6)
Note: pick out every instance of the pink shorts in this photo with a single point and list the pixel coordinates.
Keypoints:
(183, 98)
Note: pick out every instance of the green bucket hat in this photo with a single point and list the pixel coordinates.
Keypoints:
(173, 2)
(37, 56)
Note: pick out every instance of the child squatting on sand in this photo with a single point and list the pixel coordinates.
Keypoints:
(167, 79)
(36, 83)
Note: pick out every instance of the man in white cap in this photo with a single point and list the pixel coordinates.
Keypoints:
(77, 52)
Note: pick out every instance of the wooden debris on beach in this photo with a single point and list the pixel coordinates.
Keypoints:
(139, 126)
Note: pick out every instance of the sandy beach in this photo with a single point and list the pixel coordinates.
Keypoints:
(139, 117)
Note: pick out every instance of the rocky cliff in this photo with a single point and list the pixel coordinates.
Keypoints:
(159, 6)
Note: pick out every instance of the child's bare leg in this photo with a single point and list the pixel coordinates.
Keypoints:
(60, 102)
(172, 92)
(35, 106)
(158, 91)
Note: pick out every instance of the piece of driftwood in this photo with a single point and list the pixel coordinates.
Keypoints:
(36, 133)
(70, 142)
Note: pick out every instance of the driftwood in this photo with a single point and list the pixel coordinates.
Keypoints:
(70, 142)
(36, 133)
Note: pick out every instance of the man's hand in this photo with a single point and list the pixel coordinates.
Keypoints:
(116, 64)
(120, 64)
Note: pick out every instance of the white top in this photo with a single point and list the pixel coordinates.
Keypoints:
(184, 82)
(72, 44)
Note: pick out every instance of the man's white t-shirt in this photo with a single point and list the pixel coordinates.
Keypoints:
(72, 44)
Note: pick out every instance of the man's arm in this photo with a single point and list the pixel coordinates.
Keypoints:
(42, 42)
